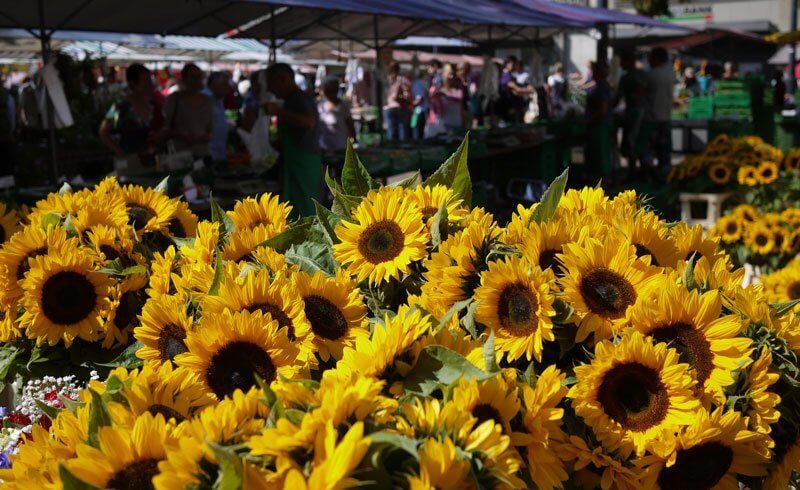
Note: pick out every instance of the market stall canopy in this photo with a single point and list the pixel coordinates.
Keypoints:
(783, 37)
(422, 57)
(595, 16)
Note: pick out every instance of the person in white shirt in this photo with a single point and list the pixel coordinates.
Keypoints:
(336, 121)
(660, 90)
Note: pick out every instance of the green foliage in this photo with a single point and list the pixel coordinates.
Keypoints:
(99, 416)
(454, 173)
(437, 365)
(356, 181)
(551, 198)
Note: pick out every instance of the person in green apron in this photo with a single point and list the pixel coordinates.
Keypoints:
(298, 129)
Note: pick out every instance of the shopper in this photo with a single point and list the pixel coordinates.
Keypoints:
(599, 97)
(633, 92)
(435, 72)
(452, 97)
(217, 89)
(298, 130)
(513, 97)
(397, 110)
(557, 88)
(660, 89)
(419, 92)
(336, 121)
(188, 114)
(132, 127)
(8, 122)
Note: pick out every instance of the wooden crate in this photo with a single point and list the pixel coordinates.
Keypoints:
(713, 208)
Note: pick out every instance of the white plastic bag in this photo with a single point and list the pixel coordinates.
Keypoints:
(257, 141)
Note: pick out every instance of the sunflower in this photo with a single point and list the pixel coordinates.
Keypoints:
(542, 427)
(173, 393)
(232, 421)
(792, 159)
(9, 223)
(229, 350)
(276, 297)
(112, 243)
(760, 239)
(692, 243)
(164, 326)
(746, 212)
(748, 175)
(15, 254)
(546, 240)
(453, 271)
(148, 210)
(100, 210)
(588, 200)
(387, 236)
(650, 237)
(603, 279)
(719, 173)
(243, 242)
(767, 173)
(633, 394)
(125, 457)
(266, 210)
(441, 467)
(594, 468)
(784, 284)
(429, 199)
(515, 300)
(519, 224)
(729, 229)
(710, 454)
(695, 165)
(335, 310)
(720, 146)
(695, 326)
(489, 399)
(183, 222)
(761, 403)
(203, 249)
(383, 355)
(64, 297)
(127, 300)
(788, 464)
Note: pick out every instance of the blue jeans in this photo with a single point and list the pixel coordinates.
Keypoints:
(397, 123)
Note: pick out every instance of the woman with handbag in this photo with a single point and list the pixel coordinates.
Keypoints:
(132, 127)
(189, 114)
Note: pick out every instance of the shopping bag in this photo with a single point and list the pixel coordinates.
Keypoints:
(257, 141)
(174, 160)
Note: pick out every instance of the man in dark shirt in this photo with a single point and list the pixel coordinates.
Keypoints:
(298, 128)
(633, 90)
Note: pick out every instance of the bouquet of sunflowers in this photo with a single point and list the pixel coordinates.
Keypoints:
(403, 339)
(769, 240)
(726, 164)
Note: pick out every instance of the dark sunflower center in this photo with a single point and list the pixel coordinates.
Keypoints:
(139, 215)
(167, 412)
(633, 395)
(793, 290)
(170, 341)
(778, 240)
(130, 306)
(548, 260)
(698, 468)
(484, 412)
(642, 251)
(731, 227)
(607, 293)
(428, 212)
(720, 173)
(692, 346)
(24, 266)
(236, 366)
(176, 228)
(2, 234)
(109, 251)
(516, 309)
(277, 314)
(767, 173)
(761, 240)
(68, 297)
(135, 476)
(381, 242)
(327, 320)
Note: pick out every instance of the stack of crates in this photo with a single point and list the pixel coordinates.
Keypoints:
(701, 107)
(732, 100)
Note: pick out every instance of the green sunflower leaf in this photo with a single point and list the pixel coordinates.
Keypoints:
(688, 279)
(219, 268)
(127, 358)
(295, 235)
(51, 219)
(454, 173)
(409, 182)
(784, 307)
(439, 227)
(332, 184)
(162, 186)
(8, 357)
(551, 198)
(489, 357)
(231, 470)
(99, 416)
(437, 365)
(454, 310)
(395, 441)
(70, 481)
(51, 412)
(355, 178)
(218, 215)
(328, 219)
(65, 188)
